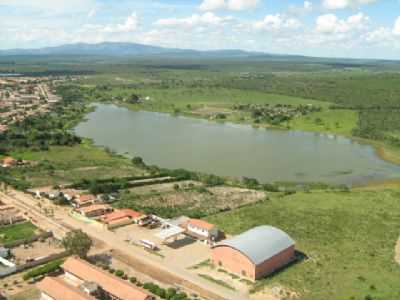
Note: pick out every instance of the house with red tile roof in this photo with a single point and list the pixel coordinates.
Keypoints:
(96, 210)
(84, 200)
(79, 271)
(53, 288)
(202, 230)
(8, 162)
(121, 217)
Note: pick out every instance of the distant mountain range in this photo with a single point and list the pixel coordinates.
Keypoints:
(122, 49)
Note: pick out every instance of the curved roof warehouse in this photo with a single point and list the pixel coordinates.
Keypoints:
(255, 253)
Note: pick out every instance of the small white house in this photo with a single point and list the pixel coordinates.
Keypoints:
(202, 229)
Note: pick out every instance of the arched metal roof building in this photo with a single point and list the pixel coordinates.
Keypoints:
(265, 248)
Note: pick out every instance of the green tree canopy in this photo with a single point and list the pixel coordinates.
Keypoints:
(77, 243)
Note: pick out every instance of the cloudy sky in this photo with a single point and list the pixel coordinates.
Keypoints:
(340, 28)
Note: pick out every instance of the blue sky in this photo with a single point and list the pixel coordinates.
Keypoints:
(340, 28)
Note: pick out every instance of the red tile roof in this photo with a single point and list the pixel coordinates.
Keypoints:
(111, 284)
(9, 160)
(92, 208)
(201, 224)
(85, 198)
(60, 290)
(121, 214)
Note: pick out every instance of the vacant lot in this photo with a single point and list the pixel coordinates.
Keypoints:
(12, 233)
(194, 201)
(349, 238)
(35, 250)
(30, 293)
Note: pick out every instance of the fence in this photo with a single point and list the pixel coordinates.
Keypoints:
(32, 264)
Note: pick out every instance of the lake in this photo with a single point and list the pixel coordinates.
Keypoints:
(228, 149)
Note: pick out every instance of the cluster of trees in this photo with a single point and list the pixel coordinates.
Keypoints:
(51, 129)
(276, 114)
(38, 133)
(379, 124)
(169, 294)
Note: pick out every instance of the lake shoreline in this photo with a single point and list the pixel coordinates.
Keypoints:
(380, 147)
(335, 174)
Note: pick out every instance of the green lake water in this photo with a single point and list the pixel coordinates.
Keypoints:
(234, 150)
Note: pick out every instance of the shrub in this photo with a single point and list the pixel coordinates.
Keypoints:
(43, 270)
(133, 279)
(119, 273)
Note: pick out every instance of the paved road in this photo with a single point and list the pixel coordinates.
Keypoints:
(62, 222)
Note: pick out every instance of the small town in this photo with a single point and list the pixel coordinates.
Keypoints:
(21, 97)
(200, 150)
(119, 253)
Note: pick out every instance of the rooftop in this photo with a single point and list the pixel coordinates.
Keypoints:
(201, 224)
(107, 282)
(60, 290)
(260, 243)
(95, 207)
(121, 214)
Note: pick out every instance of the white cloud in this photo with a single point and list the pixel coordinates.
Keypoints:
(205, 19)
(238, 5)
(396, 29)
(342, 4)
(331, 24)
(209, 5)
(380, 35)
(131, 24)
(308, 5)
(277, 22)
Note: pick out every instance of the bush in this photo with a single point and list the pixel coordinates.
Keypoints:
(119, 273)
(43, 270)
(133, 280)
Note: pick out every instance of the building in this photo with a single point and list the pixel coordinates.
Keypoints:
(52, 288)
(8, 162)
(80, 272)
(84, 200)
(202, 230)
(47, 192)
(121, 217)
(10, 215)
(255, 253)
(96, 210)
(4, 252)
(70, 194)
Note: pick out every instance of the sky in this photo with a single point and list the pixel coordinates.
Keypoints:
(326, 28)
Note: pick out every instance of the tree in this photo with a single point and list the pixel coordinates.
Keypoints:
(77, 243)
(134, 99)
(138, 162)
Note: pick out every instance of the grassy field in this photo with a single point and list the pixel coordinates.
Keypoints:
(340, 122)
(63, 164)
(349, 238)
(12, 233)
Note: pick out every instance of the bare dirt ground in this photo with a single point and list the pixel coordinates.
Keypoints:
(397, 252)
(14, 285)
(36, 250)
(184, 252)
(209, 111)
